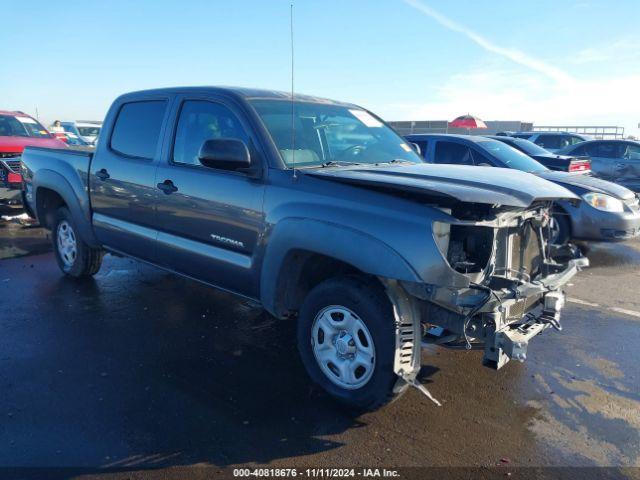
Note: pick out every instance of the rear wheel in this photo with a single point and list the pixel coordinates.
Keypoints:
(346, 339)
(74, 256)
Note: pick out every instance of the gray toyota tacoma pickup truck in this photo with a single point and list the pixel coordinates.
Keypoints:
(323, 214)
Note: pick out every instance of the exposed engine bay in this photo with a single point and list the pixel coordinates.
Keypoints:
(515, 278)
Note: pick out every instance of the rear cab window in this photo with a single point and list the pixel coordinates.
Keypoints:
(136, 131)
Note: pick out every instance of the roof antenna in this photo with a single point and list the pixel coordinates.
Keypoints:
(293, 118)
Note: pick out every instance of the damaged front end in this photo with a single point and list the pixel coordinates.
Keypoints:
(505, 287)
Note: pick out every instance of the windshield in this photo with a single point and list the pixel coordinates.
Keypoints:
(330, 133)
(511, 157)
(73, 139)
(18, 126)
(89, 131)
(529, 147)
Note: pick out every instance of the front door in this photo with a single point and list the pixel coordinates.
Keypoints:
(627, 167)
(209, 221)
(122, 177)
(605, 158)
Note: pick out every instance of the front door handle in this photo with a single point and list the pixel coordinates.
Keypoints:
(167, 187)
(102, 174)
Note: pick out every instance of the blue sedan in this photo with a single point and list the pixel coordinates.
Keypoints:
(608, 212)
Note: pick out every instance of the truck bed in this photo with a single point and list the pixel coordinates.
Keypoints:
(72, 164)
(65, 172)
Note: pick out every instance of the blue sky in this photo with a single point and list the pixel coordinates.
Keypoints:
(551, 62)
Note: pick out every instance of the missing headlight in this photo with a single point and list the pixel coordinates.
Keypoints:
(467, 248)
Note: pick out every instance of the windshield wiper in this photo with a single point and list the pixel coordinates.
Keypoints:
(395, 160)
(333, 163)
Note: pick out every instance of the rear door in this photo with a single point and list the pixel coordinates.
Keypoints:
(122, 176)
(210, 224)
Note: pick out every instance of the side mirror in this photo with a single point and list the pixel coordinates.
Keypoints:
(225, 154)
(416, 147)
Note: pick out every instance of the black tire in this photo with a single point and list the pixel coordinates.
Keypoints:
(87, 260)
(370, 303)
(563, 233)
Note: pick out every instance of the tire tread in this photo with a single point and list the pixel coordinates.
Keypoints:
(370, 292)
(88, 260)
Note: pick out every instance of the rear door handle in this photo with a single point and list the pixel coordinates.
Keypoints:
(167, 187)
(103, 174)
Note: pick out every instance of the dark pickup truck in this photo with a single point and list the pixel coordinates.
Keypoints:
(323, 214)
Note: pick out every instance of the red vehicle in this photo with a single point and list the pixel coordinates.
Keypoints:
(17, 131)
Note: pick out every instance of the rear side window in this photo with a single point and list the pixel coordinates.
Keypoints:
(137, 128)
(448, 152)
(605, 149)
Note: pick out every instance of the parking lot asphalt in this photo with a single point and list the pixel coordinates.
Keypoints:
(139, 368)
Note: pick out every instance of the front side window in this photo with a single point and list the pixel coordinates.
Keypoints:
(21, 126)
(550, 141)
(632, 151)
(199, 121)
(565, 142)
(312, 134)
(423, 145)
(137, 128)
(480, 159)
(573, 140)
(455, 153)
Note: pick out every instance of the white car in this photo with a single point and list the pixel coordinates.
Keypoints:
(87, 131)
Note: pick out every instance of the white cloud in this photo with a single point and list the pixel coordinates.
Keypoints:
(509, 95)
(619, 50)
(541, 92)
(521, 58)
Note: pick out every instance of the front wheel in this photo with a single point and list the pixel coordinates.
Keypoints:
(560, 228)
(346, 339)
(75, 258)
